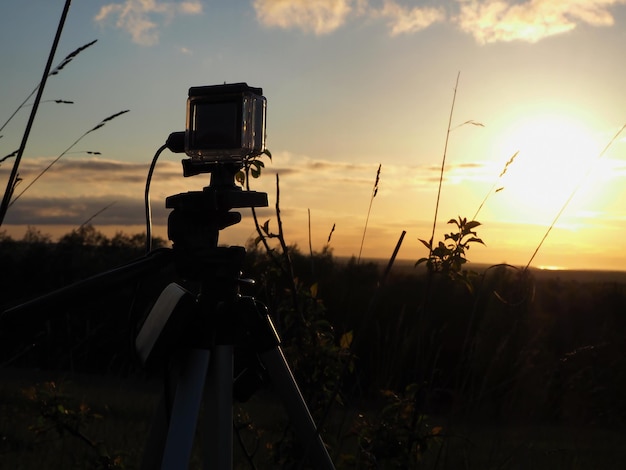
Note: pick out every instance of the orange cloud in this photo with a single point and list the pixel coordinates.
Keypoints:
(317, 16)
(403, 20)
(139, 18)
(490, 21)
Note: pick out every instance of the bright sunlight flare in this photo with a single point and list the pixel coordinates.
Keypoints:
(556, 154)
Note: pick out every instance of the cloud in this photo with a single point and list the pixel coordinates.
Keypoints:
(118, 210)
(316, 16)
(490, 21)
(404, 20)
(141, 18)
(325, 16)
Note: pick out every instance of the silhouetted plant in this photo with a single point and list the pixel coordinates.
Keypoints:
(60, 414)
(369, 209)
(96, 127)
(448, 257)
(54, 71)
(398, 436)
(494, 188)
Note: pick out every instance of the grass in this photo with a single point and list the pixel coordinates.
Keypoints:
(121, 411)
(126, 407)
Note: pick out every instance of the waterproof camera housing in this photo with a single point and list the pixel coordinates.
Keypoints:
(225, 123)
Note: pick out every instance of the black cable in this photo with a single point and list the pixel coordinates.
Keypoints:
(175, 143)
(147, 198)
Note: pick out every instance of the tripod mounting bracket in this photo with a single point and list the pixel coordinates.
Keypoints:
(197, 218)
(216, 199)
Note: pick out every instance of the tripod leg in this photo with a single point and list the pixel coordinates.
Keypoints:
(299, 415)
(219, 405)
(184, 413)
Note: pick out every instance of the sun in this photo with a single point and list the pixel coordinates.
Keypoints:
(556, 154)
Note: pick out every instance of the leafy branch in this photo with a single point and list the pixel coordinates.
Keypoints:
(57, 413)
(448, 256)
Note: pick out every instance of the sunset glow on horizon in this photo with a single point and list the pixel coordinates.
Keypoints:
(350, 84)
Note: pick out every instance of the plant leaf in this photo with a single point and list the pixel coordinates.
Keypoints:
(346, 340)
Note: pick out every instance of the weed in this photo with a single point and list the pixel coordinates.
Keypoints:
(369, 209)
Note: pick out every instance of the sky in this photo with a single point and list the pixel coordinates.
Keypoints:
(521, 103)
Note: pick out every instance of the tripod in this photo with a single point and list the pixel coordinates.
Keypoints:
(198, 336)
(225, 321)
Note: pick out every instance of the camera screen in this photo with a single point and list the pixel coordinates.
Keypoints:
(216, 125)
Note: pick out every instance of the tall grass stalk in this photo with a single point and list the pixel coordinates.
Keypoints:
(310, 242)
(11, 155)
(572, 194)
(55, 71)
(330, 235)
(66, 151)
(96, 214)
(263, 231)
(443, 163)
(8, 193)
(493, 187)
(374, 192)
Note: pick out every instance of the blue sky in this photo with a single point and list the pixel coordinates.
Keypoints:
(350, 85)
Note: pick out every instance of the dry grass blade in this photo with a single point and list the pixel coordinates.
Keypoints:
(67, 150)
(55, 71)
(470, 122)
(374, 192)
(491, 190)
(443, 163)
(12, 181)
(6, 157)
(330, 235)
(573, 193)
(310, 241)
(70, 57)
(113, 116)
(103, 122)
(96, 214)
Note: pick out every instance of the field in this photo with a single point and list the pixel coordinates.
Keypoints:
(124, 409)
(517, 369)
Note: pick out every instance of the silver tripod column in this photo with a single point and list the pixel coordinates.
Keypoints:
(220, 409)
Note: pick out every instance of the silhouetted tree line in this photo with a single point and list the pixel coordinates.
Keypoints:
(512, 347)
(85, 332)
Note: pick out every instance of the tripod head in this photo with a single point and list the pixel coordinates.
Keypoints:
(199, 216)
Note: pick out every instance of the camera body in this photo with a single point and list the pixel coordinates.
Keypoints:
(225, 123)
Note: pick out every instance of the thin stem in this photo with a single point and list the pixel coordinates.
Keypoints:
(443, 164)
(22, 105)
(98, 126)
(55, 71)
(506, 166)
(374, 192)
(263, 236)
(96, 215)
(571, 196)
(310, 242)
(286, 255)
(13, 176)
